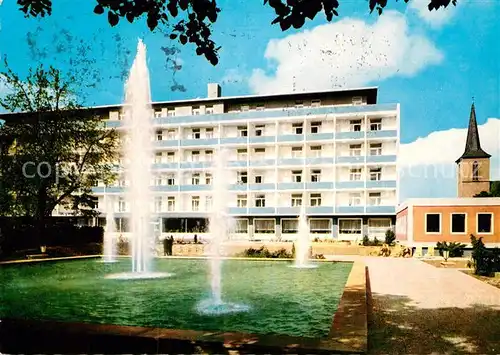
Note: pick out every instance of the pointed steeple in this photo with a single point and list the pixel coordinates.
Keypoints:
(472, 145)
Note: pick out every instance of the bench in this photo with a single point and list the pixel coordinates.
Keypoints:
(36, 256)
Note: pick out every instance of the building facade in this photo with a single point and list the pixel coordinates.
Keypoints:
(333, 151)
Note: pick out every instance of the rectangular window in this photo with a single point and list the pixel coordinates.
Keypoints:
(259, 179)
(259, 130)
(355, 174)
(195, 133)
(171, 134)
(171, 203)
(458, 221)
(350, 226)
(315, 103)
(242, 131)
(209, 110)
(355, 125)
(376, 149)
(316, 151)
(209, 132)
(158, 158)
(171, 112)
(260, 153)
(320, 225)
(485, 223)
(375, 174)
(208, 203)
(242, 154)
(260, 107)
(433, 223)
(299, 104)
(315, 127)
(157, 113)
(241, 225)
(289, 225)
(260, 201)
(357, 100)
(355, 150)
(245, 108)
(158, 204)
(122, 205)
(296, 152)
(159, 180)
(315, 175)
(159, 135)
(170, 157)
(375, 124)
(195, 179)
(264, 225)
(195, 203)
(196, 111)
(375, 198)
(209, 155)
(354, 199)
(297, 176)
(241, 201)
(170, 180)
(195, 155)
(297, 128)
(315, 200)
(296, 200)
(208, 179)
(242, 177)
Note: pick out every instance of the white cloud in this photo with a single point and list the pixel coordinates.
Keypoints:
(434, 18)
(427, 165)
(347, 53)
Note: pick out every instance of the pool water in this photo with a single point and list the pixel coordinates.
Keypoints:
(282, 300)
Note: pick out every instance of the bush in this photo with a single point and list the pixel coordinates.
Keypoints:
(263, 252)
(390, 237)
(455, 249)
(371, 243)
(484, 261)
(366, 241)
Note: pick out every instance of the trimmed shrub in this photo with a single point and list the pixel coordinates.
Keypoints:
(390, 237)
(484, 261)
(455, 249)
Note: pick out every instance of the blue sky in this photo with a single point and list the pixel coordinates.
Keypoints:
(432, 64)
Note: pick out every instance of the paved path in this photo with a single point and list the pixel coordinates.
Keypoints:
(420, 309)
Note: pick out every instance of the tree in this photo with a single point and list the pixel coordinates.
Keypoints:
(199, 15)
(494, 190)
(52, 150)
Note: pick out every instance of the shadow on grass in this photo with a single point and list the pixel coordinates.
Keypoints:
(397, 326)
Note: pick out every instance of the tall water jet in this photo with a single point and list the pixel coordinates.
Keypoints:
(109, 233)
(139, 154)
(303, 244)
(219, 224)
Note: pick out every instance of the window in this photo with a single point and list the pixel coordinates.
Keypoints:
(375, 124)
(315, 127)
(296, 152)
(355, 150)
(159, 135)
(122, 206)
(289, 225)
(316, 151)
(195, 133)
(350, 226)
(123, 183)
(260, 201)
(433, 223)
(378, 226)
(171, 134)
(375, 198)
(208, 179)
(158, 157)
(260, 153)
(209, 132)
(320, 225)
(242, 131)
(241, 201)
(355, 174)
(208, 203)
(95, 182)
(241, 225)
(260, 107)
(245, 108)
(158, 180)
(458, 223)
(315, 175)
(297, 175)
(157, 114)
(354, 199)
(195, 155)
(209, 155)
(209, 110)
(195, 179)
(475, 171)
(485, 223)
(122, 116)
(170, 157)
(259, 130)
(170, 112)
(242, 154)
(171, 203)
(315, 200)
(315, 103)
(357, 100)
(196, 111)
(259, 179)
(355, 125)
(296, 200)
(299, 104)
(297, 128)
(376, 149)
(158, 204)
(195, 203)
(242, 177)
(171, 180)
(264, 225)
(375, 174)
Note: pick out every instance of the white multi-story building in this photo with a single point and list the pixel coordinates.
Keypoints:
(334, 151)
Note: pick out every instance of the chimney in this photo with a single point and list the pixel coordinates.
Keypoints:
(214, 90)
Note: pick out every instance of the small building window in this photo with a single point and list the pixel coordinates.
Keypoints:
(315, 127)
(208, 179)
(171, 134)
(475, 171)
(245, 108)
(355, 199)
(171, 180)
(195, 155)
(242, 177)
(376, 149)
(315, 103)
(297, 128)
(241, 201)
(195, 203)
(159, 135)
(209, 132)
(296, 200)
(242, 131)
(315, 200)
(375, 198)
(316, 151)
(297, 176)
(433, 223)
(375, 174)
(296, 152)
(158, 204)
(260, 153)
(485, 223)
(196, 111)
(299, 104)
(355, 125)
(259, 179)
(158, 158)
(458, 223)
(315, 175)
(260, 107)
(260, 201)
(376, 124)
(209, 154)
(158, 114)
(170, 112)
(355, 174)
(209, 110)
(259, 130)
(208, 203)
(170, 157)
(242, 154)
(195, 133)
(171, 203)
(195, 179)
(355, 150)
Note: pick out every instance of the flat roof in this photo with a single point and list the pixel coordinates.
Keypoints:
(456, 201)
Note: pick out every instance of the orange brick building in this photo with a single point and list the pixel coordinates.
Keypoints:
(424, 222)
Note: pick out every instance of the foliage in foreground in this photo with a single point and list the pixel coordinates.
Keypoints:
(455, 249)
(485, 261)
(263, 252)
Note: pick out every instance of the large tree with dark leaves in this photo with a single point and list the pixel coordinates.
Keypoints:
(198, 15)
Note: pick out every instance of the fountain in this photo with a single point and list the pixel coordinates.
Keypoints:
(139, 151)
(219, 229)
(109, 242)
(303, 243)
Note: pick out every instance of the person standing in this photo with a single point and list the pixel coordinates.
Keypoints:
(165, 246)
(195, 239)
(170, 245)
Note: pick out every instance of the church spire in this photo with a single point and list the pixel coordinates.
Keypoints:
(472, 145)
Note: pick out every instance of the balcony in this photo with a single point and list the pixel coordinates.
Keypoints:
(107, 190)
(237, 163)
(199, 142)
(192, 165)
(291, 138)
(262, 162)
(165, 188)
(380, 209)
(351, 160)
(261, 187)
(388, 133)
(185, 188)
(350, 209)
(319, 210)
(167, 143)
(319, 185)
(295, 211)
(291, 161)
(319, 136)
(381, 184)
(381, 159)
(261, 210)
(290, 186)
(262, 139)
(350, 184)
(238, 187)
(233, 140)
(165, 165)
(237, 210)
(319, 161)
(350, 135)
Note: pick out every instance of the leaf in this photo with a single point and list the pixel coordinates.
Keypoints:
(183, 39)
(99, 9)
(130, 17)
(285, 24)
(173, 36)
(113, 18)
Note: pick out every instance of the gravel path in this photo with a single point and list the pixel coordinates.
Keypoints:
(420, 309)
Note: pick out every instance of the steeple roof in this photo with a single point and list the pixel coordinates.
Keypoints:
(472, 145)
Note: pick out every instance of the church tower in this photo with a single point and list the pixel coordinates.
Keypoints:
(474, 164)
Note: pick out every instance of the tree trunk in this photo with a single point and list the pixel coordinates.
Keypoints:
(40, 216)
